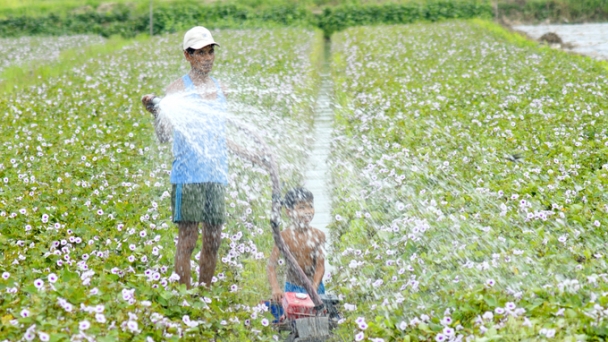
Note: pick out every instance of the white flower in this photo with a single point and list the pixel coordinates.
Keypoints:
(52, 278)
(402, 325)
(132, 325)
(100, 318)
(29, 336)
(84, 325)
(441, 337)
(39, 283)
(350, 307)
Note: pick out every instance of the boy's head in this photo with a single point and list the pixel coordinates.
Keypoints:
(299, 206)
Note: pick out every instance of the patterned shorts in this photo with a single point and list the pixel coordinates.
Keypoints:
(198, 202)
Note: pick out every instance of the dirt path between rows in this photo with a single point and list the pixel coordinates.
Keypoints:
(316, 178)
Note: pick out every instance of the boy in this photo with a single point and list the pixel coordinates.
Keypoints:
(304, 242)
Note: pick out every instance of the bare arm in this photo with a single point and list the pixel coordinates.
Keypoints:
(162, 128)
(225, 90)
(319, 261)
(252, 157)
(277, 294)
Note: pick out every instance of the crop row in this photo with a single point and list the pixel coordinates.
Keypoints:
(87, 246)
(24, 50)
(470, 168)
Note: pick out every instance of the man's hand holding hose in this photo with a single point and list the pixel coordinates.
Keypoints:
(164, 130)
(151, 102)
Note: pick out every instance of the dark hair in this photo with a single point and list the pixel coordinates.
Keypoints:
(296, 195)
(190, 50)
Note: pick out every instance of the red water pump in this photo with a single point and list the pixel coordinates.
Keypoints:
(309, 316)
(305, 321)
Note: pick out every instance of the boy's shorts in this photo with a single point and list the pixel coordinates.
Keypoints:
(289, 287)
(198, 202)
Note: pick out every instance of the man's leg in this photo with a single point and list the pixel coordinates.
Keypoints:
(212, 236)
(187, 237)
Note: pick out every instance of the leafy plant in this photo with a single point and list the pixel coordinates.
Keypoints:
(86, 245)
(470, 168)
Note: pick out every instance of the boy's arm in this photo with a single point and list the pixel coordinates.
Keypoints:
(319, 269)
(277, 294)
(319, 260)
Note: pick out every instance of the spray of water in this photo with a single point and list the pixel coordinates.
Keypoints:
(190, 121)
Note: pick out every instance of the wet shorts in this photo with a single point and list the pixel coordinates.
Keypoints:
(198, 202)
(289, 287)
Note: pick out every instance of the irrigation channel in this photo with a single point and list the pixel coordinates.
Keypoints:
(317, 173)
(587, 39)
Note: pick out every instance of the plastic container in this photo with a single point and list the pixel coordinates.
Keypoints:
(298, 305)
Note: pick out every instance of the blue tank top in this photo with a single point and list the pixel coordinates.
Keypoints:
(199, 147)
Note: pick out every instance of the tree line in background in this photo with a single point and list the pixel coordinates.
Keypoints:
(122, 20)
(127, 19)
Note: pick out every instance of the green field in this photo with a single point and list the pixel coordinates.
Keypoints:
(84, 206)
(471, 171)
(468, 170)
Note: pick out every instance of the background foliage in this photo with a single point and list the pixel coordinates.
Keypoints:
(129, 20)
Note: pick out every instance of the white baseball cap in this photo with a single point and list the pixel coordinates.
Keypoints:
(197, 38)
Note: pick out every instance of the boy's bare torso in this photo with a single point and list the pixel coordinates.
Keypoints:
(306, 246)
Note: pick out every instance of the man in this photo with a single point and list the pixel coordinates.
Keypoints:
(195, 120)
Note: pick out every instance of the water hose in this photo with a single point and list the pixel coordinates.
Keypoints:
(275, 216)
